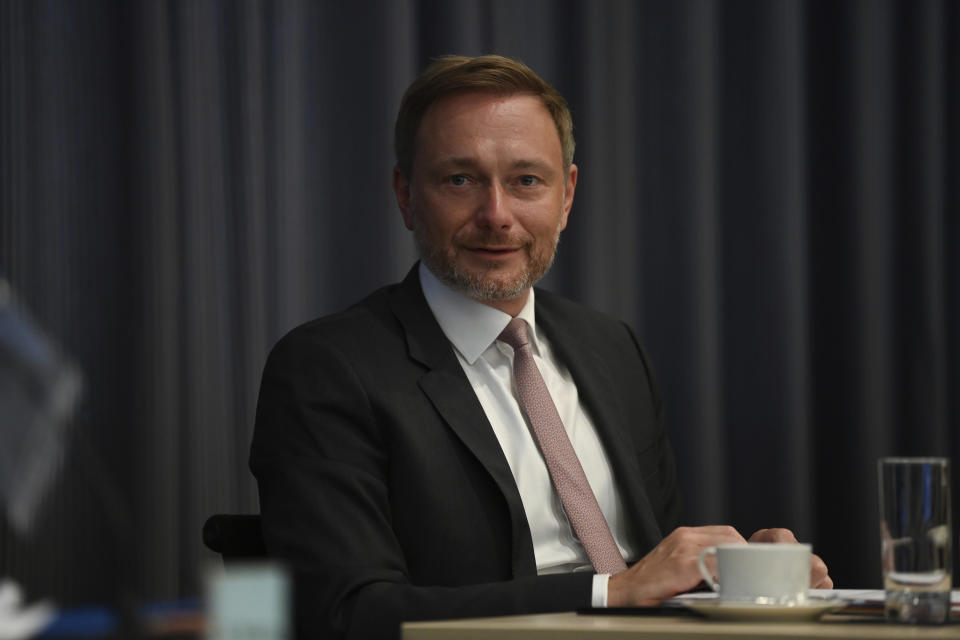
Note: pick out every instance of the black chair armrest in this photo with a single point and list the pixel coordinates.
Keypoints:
(234, 536)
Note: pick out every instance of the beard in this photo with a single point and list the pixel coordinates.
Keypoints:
(487, 284)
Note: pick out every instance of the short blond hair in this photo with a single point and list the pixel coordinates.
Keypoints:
(449, 75)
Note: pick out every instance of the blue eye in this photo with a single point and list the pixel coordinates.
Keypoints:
(528, 181)
(458, 180)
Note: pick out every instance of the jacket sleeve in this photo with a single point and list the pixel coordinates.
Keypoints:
(320, 456)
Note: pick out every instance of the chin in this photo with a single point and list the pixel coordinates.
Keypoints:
(483, 280)
(498, 289)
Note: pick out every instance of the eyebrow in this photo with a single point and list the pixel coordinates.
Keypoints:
(456, 162)
(518, 165)
(532, 164)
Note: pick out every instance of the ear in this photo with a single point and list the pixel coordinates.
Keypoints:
(568, 188)
(401, 189)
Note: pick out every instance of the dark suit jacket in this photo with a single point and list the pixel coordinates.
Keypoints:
(383, 484)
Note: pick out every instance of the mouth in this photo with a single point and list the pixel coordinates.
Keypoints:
(493, 251)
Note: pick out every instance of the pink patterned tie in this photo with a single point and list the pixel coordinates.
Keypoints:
(562, 462)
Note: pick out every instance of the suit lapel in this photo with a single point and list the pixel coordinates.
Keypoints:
(595, 387)
(449, 390)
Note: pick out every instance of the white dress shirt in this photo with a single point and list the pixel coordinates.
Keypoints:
(472, 327)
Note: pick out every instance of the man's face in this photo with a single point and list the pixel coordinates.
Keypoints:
(488, 195)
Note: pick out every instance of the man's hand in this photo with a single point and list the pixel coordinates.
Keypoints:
(669, 569)
(819, 576)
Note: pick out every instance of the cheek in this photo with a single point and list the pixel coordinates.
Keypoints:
(447, 227)
(545, 227)
(436, 228)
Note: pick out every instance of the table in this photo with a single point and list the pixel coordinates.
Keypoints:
(612, 627)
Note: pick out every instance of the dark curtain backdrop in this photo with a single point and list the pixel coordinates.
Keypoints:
(768, 193)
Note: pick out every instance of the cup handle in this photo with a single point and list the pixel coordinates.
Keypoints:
(702, 565)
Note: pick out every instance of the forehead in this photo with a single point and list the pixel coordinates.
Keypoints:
(469, 119)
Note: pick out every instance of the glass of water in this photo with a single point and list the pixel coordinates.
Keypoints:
(916, 533)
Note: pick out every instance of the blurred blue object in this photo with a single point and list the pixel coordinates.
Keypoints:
(90, 622)
(39, 389)
(182, 618)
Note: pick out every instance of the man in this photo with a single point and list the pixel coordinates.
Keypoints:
(406, 449)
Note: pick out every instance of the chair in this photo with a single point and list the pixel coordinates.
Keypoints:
(234, 536)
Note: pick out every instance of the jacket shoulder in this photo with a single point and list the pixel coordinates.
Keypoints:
(367, 321)
(578, 318)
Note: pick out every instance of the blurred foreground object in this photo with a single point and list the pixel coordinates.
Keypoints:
(39, 389)
(249, 600)
(17, 621)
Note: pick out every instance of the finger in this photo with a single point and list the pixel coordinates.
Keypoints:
(693, 539)
(819, 575)
(826, 583)
(774, 535)
(716, 534)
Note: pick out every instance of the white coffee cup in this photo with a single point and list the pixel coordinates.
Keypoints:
(759, 572)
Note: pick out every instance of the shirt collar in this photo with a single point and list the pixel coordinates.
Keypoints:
(469, 325)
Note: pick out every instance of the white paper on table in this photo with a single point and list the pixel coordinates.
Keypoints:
(851, 595)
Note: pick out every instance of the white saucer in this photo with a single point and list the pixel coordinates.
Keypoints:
(810, 610)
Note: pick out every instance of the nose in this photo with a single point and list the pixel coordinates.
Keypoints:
(493, 209)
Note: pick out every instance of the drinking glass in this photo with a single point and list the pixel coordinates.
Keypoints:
(915, 537)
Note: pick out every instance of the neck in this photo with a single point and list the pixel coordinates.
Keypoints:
(512, 307)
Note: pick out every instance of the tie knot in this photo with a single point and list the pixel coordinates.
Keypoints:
(515, 334)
